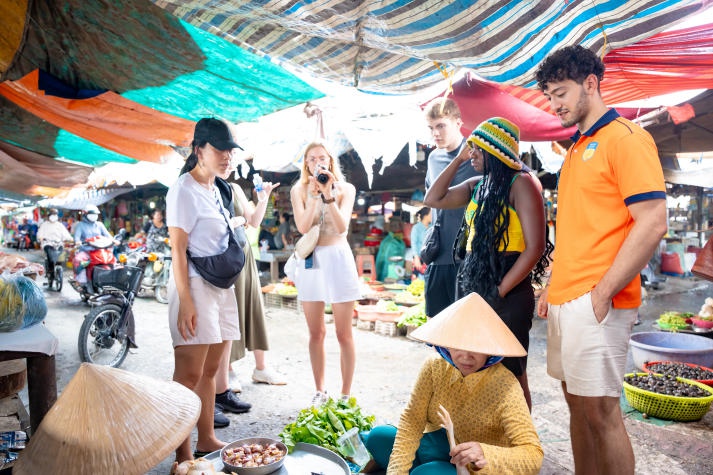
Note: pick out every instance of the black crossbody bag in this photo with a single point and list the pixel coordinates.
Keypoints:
(431, 242)
(221, 270)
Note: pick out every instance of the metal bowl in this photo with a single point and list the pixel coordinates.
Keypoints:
(263, 470)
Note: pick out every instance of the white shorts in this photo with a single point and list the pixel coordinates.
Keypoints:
(333, 277)
(589, 356)
(217, 313)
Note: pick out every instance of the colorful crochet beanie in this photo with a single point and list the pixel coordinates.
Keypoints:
(499, 137)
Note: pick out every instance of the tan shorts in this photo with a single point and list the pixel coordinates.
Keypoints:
(217, 310)
(589, 356)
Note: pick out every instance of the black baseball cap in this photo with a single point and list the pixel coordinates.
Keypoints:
(215, 132)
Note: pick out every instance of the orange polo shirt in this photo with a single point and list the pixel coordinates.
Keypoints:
(612, 165)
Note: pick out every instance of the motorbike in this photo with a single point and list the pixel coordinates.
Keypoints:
(23, 241)
(101, 256)
(107, 332)
(156, 275)
(54, 264)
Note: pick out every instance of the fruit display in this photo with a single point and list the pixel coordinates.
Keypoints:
(416, 287)
(664, 384)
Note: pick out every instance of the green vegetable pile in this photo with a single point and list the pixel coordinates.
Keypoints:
(324, 424)
(387, 306)
(674, 319)
(415, 315)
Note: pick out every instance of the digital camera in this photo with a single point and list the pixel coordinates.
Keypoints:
(321, 177)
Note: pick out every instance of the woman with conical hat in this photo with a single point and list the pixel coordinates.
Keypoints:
(492, 427)
(506, 229)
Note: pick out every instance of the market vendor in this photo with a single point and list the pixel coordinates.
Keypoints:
(391, 247)
(492, 426)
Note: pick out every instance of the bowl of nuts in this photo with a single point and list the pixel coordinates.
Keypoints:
(253, 456)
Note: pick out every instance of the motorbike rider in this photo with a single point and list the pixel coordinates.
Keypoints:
(87, 228)
(51, 235)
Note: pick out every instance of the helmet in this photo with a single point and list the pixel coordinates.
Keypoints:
(91, 209)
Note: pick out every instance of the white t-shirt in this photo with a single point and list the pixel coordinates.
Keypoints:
(196, 210)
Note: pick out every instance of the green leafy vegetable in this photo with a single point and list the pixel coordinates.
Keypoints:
(415, 315)
(324, 424)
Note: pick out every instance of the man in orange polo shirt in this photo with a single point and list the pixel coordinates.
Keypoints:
(611, 215)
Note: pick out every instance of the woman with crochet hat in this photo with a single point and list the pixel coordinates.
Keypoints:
(491, 430)
(505, 246)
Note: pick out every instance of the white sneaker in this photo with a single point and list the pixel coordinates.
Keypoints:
(268, 376)
(319, 398)
(344, 397)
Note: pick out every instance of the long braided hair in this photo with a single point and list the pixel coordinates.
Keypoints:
(484, 267)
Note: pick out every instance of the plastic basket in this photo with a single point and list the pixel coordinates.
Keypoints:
(663, 406)
(708, 382)
(120, 278)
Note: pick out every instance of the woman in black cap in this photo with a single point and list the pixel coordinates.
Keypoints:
(203, 318)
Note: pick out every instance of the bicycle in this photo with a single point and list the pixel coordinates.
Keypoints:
(106, 334)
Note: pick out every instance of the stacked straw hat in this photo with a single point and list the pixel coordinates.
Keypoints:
(499, 137)
(110, 421)
(470, 324)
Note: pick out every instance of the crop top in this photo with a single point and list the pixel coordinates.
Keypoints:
(516, 239)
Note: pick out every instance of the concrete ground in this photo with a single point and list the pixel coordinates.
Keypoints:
(386, 369)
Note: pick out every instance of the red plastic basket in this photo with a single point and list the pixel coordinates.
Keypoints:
(708, 382)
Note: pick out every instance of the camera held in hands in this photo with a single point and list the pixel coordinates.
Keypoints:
(321, 177)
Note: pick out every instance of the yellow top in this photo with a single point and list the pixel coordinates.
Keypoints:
(516, 240)
(486, 407)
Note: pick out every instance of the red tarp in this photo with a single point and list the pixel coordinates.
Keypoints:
(479, 100)
(677, 60)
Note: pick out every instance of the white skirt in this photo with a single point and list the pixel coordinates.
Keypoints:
(333, 277)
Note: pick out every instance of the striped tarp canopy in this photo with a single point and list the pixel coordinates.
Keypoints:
(401, 46)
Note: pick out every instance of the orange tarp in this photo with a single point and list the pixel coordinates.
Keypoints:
(108, 120)
(14, 15)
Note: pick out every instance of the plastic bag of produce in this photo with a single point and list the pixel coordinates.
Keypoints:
(12, 307)
(34, 300)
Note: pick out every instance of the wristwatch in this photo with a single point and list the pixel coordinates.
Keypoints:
(327, 201)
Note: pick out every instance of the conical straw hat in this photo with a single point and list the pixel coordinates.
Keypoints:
(470, 324)
(110, 421)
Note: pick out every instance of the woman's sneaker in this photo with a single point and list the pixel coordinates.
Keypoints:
(319, 398)
(268, 376)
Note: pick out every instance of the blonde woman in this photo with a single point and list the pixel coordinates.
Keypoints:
(329, 275)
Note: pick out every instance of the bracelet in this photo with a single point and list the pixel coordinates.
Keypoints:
(327, 201)
(314, 196)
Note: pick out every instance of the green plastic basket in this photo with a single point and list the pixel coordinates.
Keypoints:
(663, 406)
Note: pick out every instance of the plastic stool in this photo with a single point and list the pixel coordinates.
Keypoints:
(369, 259)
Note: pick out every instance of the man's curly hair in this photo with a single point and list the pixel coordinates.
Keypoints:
(570, 62)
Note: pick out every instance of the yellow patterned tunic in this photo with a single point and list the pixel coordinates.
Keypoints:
(486, 407)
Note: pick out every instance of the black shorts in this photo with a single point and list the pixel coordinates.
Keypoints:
(440, 287)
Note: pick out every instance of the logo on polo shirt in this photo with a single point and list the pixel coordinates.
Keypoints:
(589, 152)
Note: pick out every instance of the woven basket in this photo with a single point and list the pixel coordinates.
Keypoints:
(673, 408)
